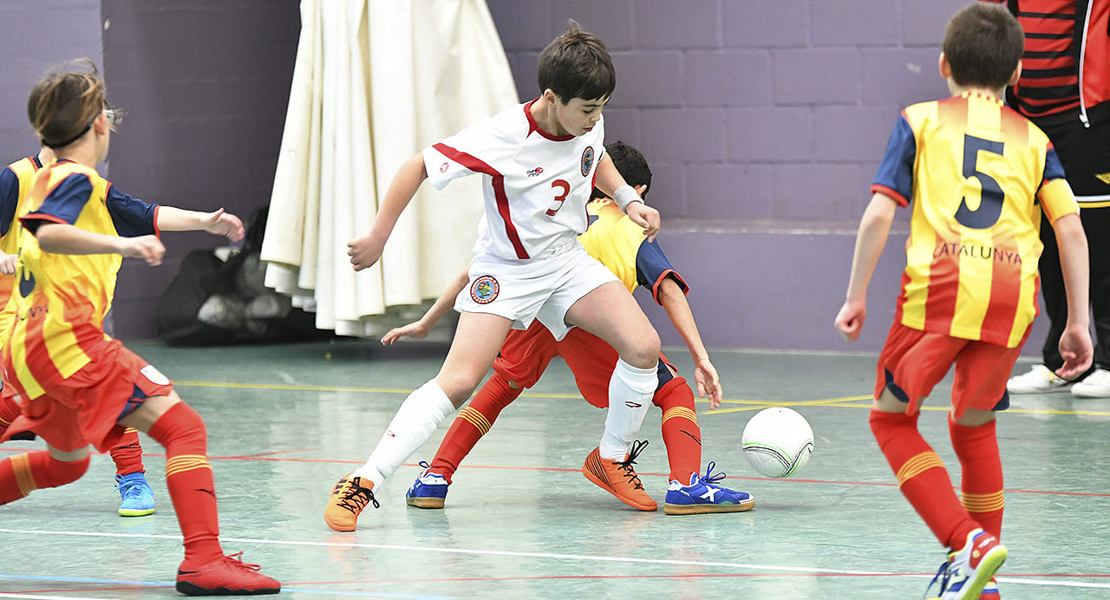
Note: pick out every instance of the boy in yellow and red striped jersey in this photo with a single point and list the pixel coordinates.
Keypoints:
(978, 176)
(136, 497)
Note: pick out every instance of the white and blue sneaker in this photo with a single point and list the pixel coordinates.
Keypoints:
(428, 491)
(703, 496)
(969, 573)
(136, 495)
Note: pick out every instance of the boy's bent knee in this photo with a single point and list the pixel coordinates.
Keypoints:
(56, 473)
(643, 351)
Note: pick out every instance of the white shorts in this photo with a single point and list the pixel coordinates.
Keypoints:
(541, 288)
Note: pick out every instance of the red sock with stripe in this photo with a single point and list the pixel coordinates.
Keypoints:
(24, 473)
(189, 479)
(128, 455)
(9, 410)
(681, 433)
(922, 477)
(472, 422)
(977, 449)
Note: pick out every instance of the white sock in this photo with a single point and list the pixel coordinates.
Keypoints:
(416, 420)
(630, 392)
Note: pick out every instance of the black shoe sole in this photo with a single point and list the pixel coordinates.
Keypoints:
(190, 589)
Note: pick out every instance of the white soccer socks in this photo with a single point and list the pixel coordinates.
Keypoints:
(415, 422)
(630, 392)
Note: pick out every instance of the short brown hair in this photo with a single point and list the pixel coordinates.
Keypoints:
(63, 104)
(983, 44)
(577, 65)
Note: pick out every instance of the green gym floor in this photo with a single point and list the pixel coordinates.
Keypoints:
(286, 422)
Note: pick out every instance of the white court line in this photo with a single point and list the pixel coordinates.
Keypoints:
(553, 556)
(7, 595)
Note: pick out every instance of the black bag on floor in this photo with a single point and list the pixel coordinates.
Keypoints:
(212, 301)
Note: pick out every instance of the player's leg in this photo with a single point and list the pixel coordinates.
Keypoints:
(593, 363)
(523, 358)
(24, 473)
(136, 497)
(478, 337)
(182, 432)
(610, 313)
(1097, 383)
(911, 364)
(689, 492)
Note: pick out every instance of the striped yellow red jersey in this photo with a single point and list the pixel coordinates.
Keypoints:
(978, 175)
(619, 244)
(15, 183)
(61, 299)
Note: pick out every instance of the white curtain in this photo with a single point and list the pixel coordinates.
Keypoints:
(375, 81)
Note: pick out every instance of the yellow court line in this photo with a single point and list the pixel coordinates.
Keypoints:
(752, 404)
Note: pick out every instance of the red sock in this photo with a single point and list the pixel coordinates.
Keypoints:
(922, 477)
(9, 410)
(472, 423)
(977, 449)
(189, 478)
(24, 473)
(681, 433)
(128, 455)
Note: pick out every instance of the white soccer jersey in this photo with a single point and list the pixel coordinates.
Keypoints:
(536, 185)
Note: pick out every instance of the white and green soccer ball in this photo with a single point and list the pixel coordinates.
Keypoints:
(777, 442)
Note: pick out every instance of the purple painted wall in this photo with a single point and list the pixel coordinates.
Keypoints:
(764, 123)
(35, 37)
(205, 85)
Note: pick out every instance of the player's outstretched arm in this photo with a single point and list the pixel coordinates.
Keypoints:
(1075, 343)
(420, 329)
(217, 222)
(63, 238)
(874, 228)
(674, 302)
(365, 250)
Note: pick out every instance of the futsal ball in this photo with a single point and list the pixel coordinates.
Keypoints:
(777, 442)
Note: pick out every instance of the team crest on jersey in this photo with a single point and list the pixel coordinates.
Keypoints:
(587, 160)
(484, 289)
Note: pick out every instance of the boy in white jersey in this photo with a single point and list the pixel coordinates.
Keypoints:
(539, 163)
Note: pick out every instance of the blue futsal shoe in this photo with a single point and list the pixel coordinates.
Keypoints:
(703, 496)
(428, 491)
(969, 573)
(138, 498)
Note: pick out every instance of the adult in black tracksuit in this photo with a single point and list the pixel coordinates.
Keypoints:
(1065, 89)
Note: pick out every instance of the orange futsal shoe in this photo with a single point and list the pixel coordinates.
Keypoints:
(226, 576)
(348, 498)
(619, 478)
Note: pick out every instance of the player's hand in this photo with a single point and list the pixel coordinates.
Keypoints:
(7, 263)
(416, 331)
(223, 223)
(708, 382)
(147, 247)
(1075, 349)
(850, 319)
(646, 217)
(365, 251)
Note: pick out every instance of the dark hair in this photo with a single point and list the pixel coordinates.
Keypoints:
(577, 65)
(630, 163)
(63, 105)
(983, 44)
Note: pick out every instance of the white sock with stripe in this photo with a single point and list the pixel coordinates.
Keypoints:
(415, 422)
(630, 392)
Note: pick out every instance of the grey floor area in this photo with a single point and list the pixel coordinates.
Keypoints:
(285, 422)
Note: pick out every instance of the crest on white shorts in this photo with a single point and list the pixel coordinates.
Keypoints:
(484, 289)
